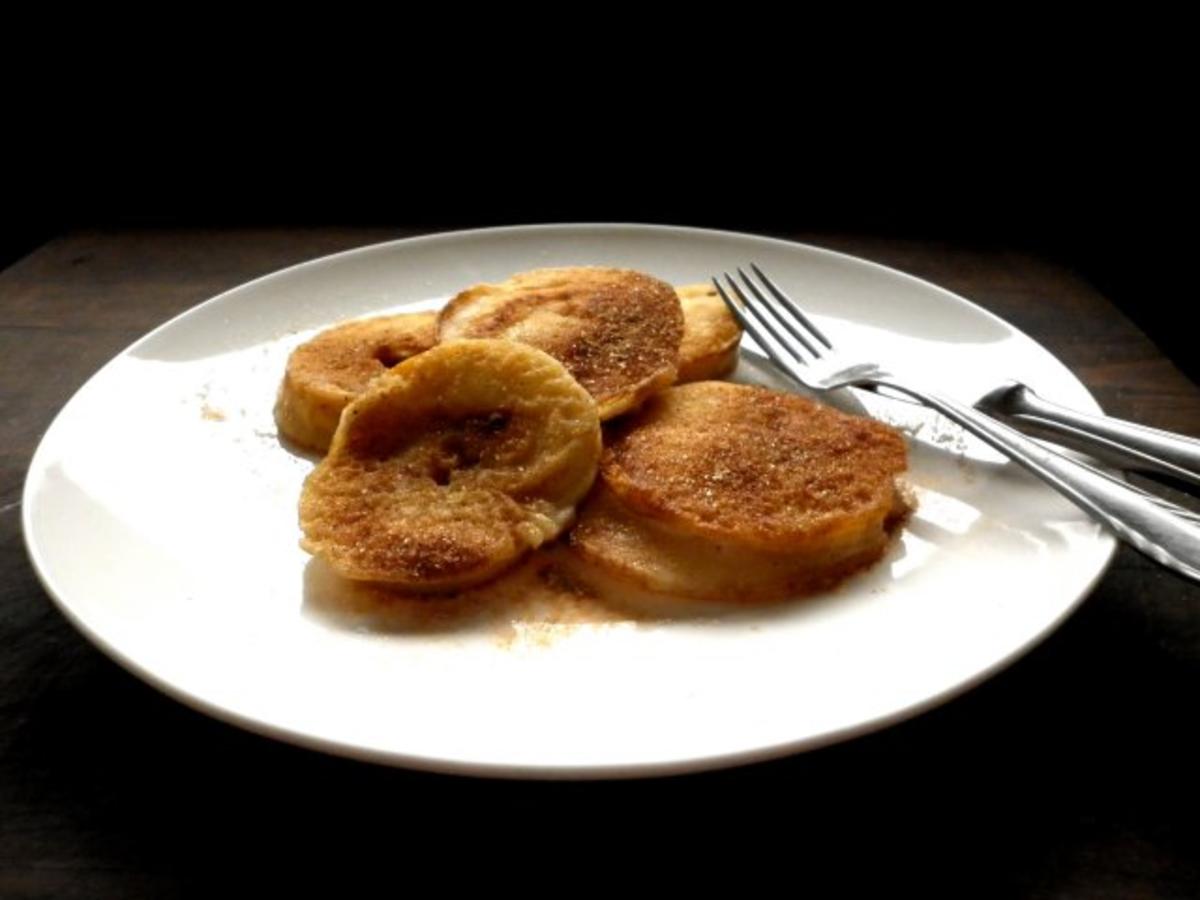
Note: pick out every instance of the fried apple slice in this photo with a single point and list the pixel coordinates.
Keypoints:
(628, 558)
(617, 331)
(325, 374)
(451, 466)
(710, 335)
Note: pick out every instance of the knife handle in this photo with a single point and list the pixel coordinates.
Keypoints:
(1113, 440)
(1165, 532)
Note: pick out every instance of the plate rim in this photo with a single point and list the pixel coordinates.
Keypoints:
(475, 768)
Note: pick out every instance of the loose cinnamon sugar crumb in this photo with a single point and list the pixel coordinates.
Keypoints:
(530, 607)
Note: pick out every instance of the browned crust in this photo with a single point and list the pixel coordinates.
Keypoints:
(755, 467)
(326, 373)
(617, 331)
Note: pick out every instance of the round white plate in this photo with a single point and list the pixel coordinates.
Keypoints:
(160, 513)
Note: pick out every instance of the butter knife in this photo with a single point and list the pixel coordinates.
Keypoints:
(1112, 440)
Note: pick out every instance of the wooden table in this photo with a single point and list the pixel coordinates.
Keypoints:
(1073, 773)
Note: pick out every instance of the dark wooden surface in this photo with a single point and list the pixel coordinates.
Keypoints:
(1071, 774)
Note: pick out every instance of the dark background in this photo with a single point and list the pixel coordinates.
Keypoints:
(1093, 173)
(1119, 212)
(1067, 137)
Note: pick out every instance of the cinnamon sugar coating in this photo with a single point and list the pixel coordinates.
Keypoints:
(753, 466)
(451, 466)
(617, 331)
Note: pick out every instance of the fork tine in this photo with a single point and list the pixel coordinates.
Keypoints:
(797, 333)
(766, 337)
(739, 313)
(792, 307)
(764, 320)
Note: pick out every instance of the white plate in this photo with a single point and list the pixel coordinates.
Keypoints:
(160, 513)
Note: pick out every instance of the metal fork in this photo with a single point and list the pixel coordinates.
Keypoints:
(1167, 533)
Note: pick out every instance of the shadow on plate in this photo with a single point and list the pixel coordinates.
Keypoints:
(541, 593)
(533, 592)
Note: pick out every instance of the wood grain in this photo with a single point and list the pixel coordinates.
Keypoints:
(1073, 773)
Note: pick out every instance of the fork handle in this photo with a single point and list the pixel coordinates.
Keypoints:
(1151, 527)
(1131, 445)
